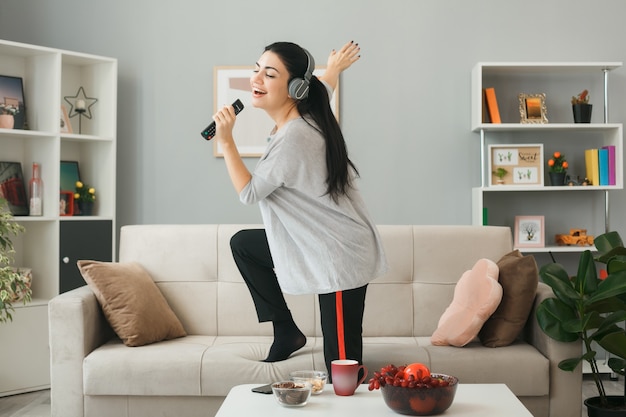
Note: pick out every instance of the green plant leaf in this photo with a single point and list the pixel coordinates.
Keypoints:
(551, 314)
(614, 285)
(569, 364)
(586, 280)
(557, 278)
(606, 242)
(615, 343)
(617, 365)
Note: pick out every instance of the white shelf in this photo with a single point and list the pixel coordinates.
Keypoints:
(48, 76)
(548, 127)
(558, 249)
(499, 204)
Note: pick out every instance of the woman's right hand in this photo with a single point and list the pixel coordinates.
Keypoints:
(224, 124)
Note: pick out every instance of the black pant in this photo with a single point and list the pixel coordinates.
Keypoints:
(254, 260)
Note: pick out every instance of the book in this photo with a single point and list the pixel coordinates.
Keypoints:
(492, 105)
(603, 166)
(611, 163)
(591, 166)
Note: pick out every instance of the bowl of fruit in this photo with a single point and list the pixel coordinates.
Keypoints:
(413, 390)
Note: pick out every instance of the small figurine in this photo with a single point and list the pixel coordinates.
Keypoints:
(576, 237)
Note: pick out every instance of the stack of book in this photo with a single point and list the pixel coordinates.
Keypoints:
(600, 165)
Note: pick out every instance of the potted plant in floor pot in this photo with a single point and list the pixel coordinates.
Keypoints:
(589, 308)
(558, 168)
(13, 286)
(581, 107)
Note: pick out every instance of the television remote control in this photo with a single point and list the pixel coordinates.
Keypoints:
(209, 131)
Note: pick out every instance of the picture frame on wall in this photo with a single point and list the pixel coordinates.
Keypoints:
(532, 108)
(70, 173)
(13, 188)
(12, 95)
(530, 232)
(522, 165)
(253, 127)
(66, 203)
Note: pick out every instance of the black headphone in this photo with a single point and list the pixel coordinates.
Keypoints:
(299, 87)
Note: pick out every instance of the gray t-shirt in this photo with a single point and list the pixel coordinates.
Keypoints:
(318, 246)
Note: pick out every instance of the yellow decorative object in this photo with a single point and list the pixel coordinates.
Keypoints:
(576, 237)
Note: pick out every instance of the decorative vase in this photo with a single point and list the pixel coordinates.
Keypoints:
(85, 208)
(616, 403)
(7, 121)
(582, 113)
(557, 178)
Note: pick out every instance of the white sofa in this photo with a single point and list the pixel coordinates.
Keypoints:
(93, 374)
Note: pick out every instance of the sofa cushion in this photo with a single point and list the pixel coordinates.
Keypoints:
(131, 302)
(476, 296)
(519, 278)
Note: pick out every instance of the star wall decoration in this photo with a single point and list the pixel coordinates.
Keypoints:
(75, 104)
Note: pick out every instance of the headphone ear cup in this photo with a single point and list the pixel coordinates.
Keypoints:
(298, 88)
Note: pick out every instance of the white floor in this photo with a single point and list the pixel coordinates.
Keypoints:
(37, 404)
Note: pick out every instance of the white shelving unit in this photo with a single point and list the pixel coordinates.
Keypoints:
(564, 207)
(49, 75)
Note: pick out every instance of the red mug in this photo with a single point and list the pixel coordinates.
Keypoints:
(345, 376)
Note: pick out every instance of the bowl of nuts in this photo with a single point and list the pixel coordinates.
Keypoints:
(317, 379)
(412, 390)
(291, 393)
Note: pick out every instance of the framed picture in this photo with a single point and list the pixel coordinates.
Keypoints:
(529, 232)
(516, 165)
(12, 188)
(532, 108)
(69, 175)
(12, 96)
(66, 126)
(66, 203)
(253, 125)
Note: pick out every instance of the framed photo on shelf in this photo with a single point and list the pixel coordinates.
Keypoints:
(69, 175)
(253, 125)
(532, 108)
(516, 164)
(66, 203)
(13, 189)
(529, 232)
(66, 126)
(12, 97)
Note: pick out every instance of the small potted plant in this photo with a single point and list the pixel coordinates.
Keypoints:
(11, 282)
(581, 107)
(85, 196)
(500, 173)
(558, 168)
(588, 308)
(7, 113)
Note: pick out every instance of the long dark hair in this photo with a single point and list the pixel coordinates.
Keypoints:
(317, 107)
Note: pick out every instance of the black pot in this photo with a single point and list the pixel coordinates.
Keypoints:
(617, 407)
(557, 178)
(582, 113)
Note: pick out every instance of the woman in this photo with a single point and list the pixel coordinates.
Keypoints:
(318, 236)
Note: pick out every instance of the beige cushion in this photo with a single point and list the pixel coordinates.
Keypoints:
(519, 278)
(131, 301)
(476, 297)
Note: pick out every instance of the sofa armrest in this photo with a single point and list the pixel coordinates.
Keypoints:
(565, 387)
(77, 327)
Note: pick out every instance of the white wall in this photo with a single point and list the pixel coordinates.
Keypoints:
(405, 106)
